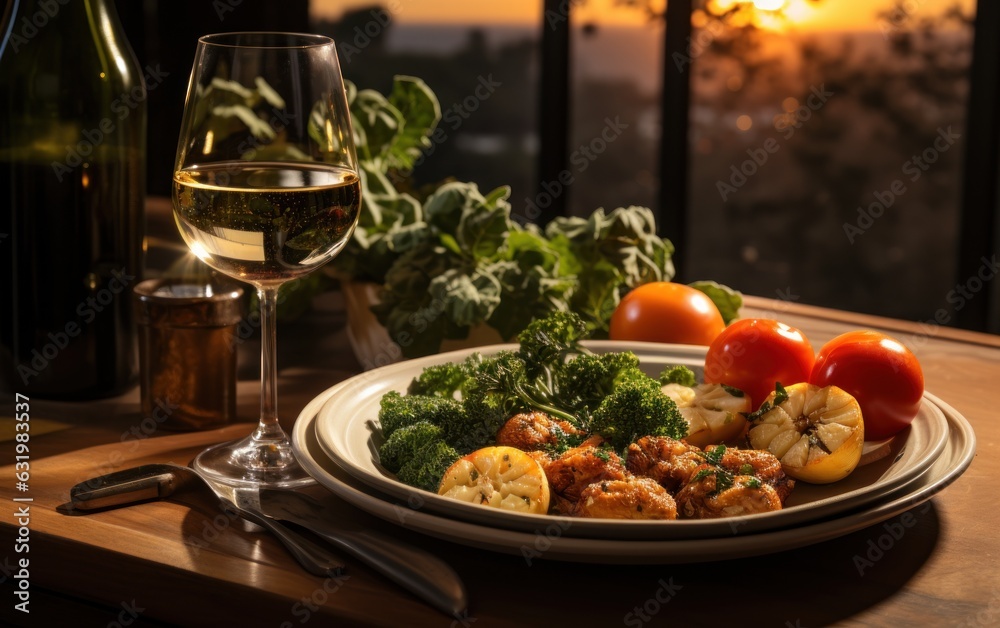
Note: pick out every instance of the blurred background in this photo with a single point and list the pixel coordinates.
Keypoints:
(824, 155)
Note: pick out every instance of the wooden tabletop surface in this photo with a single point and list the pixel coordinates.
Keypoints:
(171, 563)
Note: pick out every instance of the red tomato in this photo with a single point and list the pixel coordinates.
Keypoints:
(882, 374)
(662, 311)
(754, 353)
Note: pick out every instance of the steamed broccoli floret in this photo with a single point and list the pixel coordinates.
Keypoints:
(427, 466)
(489, 399)
(406, 442)
(503, 387)
(546, 342)
(468, 431)
(678, 375)
(635, 409)
(441, 380)
(397, 411)
(589, 378)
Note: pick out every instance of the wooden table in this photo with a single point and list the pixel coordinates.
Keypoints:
(185, 566)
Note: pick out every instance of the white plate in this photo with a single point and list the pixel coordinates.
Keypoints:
(551, 541)
(345, 429)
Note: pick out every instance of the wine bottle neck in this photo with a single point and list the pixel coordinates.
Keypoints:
(27, 20)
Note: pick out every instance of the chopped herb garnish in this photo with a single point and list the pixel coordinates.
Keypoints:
(746, 469)
(563, 442)
(736, 392)
(701, 475)
(723, 480)
(780, 397)
(752, 483)
(714, 456)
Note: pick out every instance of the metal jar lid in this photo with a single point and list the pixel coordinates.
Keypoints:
(183, 303)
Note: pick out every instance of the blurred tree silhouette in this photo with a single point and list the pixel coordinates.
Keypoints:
(894, 93)
(486, 140)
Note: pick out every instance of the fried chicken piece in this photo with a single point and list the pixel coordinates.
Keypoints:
(673, 463)
(578, 468)
(670, 462)
(761, 464)
(541, 457)
(631, 498)
(531, 431)
(704, 498)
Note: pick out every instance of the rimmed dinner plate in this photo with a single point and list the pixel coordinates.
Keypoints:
(346, 430)
(552, 542)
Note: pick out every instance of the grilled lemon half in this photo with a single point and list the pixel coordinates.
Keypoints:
(817, 433)
(713, 412)
(498, 477)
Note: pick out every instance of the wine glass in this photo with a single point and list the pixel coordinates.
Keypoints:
(266, 189)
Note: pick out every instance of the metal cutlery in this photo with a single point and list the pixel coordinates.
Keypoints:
(159, 481)
(418, 571)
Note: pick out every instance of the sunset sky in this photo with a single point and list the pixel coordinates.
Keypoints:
(803, 14)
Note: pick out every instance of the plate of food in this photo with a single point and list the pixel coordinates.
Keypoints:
(551, 542)
(350, 432)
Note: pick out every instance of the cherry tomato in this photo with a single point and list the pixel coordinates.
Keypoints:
(754, 353)
(881, 373)
(662, 311)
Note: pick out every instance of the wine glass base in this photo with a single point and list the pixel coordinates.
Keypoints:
(252, 463)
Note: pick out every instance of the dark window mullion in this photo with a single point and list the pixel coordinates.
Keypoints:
(553, 109)
(980, 191)
(675, 103)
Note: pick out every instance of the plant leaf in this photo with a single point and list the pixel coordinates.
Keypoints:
(378, 122)
(468, 298)
(483, 230)
(421, 113)
(728, 301)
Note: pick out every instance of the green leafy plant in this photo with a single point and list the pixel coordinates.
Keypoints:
(456, 259)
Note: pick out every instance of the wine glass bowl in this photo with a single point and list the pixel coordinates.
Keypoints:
(266, 189)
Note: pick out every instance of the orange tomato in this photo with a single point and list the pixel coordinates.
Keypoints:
(662, 311)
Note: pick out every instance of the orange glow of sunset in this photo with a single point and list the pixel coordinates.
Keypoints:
(777, 15)
(438, 11)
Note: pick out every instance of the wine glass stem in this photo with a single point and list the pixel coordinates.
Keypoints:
(268, 429)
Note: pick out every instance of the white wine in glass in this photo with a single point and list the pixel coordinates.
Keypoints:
(266, 189)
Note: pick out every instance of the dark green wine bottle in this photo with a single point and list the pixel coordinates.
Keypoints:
(72, 184)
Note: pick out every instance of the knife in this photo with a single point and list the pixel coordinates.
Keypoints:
(421, 573)
(159, 481)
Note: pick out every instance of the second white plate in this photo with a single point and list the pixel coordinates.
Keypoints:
(347, 431)
(551, 541)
